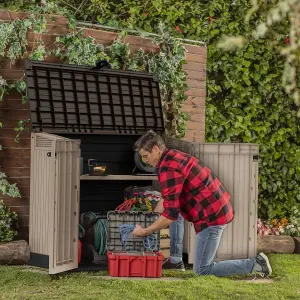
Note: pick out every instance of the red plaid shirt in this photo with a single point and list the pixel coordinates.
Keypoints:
(190, 188)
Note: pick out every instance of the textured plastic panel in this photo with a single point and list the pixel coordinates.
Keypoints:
(237, 167)
(180, 145)
(134, 244)
(54, 200)
(71, 98)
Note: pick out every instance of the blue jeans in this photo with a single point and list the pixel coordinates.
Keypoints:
(206, 246)
(176, 239)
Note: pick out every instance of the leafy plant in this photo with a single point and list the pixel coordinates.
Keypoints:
(287, 11)
(8, 189)
(3, 87)
(167, 65)
(20, 87)
(20, 128)
(121, 58)
(13, 38)
(8, 223)
(76, 49)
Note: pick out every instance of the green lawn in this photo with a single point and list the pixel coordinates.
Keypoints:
(18, 283)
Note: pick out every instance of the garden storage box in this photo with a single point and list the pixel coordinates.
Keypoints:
(76, 112)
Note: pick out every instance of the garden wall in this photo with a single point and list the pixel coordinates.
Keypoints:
(15, 158)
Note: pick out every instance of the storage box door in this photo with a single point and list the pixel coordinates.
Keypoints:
(253, 210)
(64, 252)
(42, 175)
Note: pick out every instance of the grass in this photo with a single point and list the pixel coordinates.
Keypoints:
(18, 283)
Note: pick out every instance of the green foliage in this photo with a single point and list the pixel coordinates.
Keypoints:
(287, 11)
(121, 58)
(20, 87)
(8, 223)
(13, 38)
(79, 50)
(167, 65)
(8, 189)
(147, 15)
(246, 103)
(21, 126)
(3, 87)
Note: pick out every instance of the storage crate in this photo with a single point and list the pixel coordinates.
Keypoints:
(122, 264)
(134, 244)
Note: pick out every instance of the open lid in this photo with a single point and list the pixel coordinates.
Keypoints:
(82, 99)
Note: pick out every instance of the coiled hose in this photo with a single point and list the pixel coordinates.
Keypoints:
(100, 232)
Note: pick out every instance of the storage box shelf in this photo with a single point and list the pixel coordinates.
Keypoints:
(118, 177)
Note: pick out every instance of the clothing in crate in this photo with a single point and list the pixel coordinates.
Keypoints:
(139, 199)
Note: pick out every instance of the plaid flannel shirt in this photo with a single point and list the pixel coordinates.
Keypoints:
(190, 188)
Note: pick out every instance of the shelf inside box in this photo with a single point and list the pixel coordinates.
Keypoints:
(119, 177)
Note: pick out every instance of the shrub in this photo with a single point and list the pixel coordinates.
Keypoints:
(8, 223)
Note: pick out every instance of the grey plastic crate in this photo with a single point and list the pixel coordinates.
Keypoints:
(134, 244)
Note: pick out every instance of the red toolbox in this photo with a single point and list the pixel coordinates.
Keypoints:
(122, 264)
(134, 260)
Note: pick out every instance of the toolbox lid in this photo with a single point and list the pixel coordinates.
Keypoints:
(82, 99)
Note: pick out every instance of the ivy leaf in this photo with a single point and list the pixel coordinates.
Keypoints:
(24, 99)
(277, 155)
(246, 79)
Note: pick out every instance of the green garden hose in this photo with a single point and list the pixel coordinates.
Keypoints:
(100, 228)
(100, 232)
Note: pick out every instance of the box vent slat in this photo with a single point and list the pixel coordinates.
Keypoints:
(43, 142)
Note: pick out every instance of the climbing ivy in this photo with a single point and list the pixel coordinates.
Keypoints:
(74, 48)
(121, 57)
(167, 64)
(8, 189)
(13, 39)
